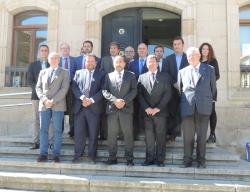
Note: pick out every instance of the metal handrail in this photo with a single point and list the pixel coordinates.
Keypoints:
(14, 94)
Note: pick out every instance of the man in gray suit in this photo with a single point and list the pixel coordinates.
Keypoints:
(154, 90)
(32, 76)
(120, 90)
(107, 61)
(51, 89)
(197, 85)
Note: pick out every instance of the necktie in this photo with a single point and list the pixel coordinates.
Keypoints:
(119, 81)
(88, 84)
(152, 80)
(195, 76)
(52, 73)
(66, 63)
(141, 63)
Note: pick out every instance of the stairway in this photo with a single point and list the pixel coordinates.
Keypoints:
(19, 170)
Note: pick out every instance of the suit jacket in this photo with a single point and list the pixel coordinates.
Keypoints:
(107, 64)
(171, 66)
(163, 68)
(201, 96)
(79, 61)
(158, 96)
(134, 67)
(32, 77)
(127, 92)
(56, 90)
(95, 90)
(72, 68)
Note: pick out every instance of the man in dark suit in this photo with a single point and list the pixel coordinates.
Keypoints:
(107, 61)
(87, 89)
(197, 84)
(33, 73)
(175, 62)
(87, 48)
(129, 54)
(154, 93)
(68, 63)
(51, 88)
(139, 67)
(159, 52)
(119, 90)
(108, 67)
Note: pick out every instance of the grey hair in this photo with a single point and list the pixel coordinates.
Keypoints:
(191, 50)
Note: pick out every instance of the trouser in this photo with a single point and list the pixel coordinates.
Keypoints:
(45, 118)
(86, 121)
(36, 124)
(155, 132)
(213, 120)
(198, 124)
(123, 121)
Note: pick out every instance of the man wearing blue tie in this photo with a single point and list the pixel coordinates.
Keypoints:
(139, 67)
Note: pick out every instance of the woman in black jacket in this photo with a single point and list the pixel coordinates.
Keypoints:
(207, 56)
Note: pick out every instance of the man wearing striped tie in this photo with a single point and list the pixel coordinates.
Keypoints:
(87, 90)
(120, 90)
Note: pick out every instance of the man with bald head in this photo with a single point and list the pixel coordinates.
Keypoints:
(120, 90)
(51, 88)
(87, 90)
(197, 86)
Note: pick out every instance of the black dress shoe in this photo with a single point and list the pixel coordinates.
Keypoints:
(111, 162)
(56, 159)
(147, 163)
(34, 146)
(211, 138)
(130, 163)
(186, 165)
(76, 160)
(42, 158)
(160, 164)
(201, 165)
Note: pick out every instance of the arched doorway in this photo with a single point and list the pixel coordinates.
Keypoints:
(134, 25)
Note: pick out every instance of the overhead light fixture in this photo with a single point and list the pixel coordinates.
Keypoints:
(160, 20)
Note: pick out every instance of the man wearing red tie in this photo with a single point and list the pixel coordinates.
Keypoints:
(68, 63)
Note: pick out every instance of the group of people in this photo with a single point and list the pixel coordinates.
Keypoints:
(151, 93)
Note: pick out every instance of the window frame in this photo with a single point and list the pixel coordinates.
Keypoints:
(17, 27)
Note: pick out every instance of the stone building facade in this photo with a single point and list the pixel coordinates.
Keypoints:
(213, 21)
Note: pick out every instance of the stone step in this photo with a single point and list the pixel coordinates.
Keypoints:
(214, 156)
(89, 183)
(140, 144)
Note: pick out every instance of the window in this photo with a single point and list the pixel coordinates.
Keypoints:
(245, 46)
(29, 32)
